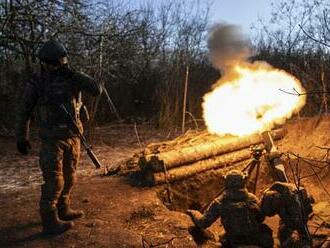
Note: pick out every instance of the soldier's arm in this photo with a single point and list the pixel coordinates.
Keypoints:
(255, 207)
(212, 213)
(271, 203)
(87, 83)
(24, 110)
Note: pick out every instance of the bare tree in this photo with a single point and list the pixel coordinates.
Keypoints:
(295, 39)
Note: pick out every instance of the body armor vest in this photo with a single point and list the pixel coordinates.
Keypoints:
(239, 215)
(57, 88)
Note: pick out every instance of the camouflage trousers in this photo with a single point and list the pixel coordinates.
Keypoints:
(58, 163)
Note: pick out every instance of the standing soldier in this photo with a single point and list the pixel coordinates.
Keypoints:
(240, 215)
(56, 85)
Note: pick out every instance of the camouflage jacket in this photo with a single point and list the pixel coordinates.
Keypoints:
(239, 211)
(292, 205)
(46, 92)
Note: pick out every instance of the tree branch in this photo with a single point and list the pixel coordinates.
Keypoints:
(296, 93)
(312, 38)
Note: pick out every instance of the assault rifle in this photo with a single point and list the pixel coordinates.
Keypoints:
(83, 139)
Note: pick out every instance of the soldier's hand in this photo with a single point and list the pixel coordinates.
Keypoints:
(190, 212)
(23, 147)
(194, 214)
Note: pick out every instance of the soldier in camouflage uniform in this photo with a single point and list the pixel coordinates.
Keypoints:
(293, 206)
(55, 85)
(240, 215)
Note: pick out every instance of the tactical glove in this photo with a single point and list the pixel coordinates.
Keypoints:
(194, 214)
(23, 147)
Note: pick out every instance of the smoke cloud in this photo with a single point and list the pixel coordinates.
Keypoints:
(227, 46)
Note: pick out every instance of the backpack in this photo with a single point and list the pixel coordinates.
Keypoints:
(239, 218)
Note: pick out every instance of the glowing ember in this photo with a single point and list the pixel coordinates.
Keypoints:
(248, 100)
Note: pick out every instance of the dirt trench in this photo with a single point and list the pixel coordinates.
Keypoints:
(306, 139)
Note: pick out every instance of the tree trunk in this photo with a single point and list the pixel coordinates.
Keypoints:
(189, 170)
(186, 155)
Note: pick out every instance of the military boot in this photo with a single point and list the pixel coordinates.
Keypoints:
(65, 212)
(52, 225)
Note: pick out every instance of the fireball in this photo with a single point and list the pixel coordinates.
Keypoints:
(248, 100)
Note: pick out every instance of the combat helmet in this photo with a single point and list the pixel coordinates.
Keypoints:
(235, 179)
(51, 52)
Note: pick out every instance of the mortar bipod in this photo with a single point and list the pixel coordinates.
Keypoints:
(253, 165)
(273, 159)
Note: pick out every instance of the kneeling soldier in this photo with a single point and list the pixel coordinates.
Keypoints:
(293, 206)
(240, 215)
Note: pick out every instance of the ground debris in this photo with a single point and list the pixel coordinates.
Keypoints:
(322, 211)
(142, 213)
(162, 241)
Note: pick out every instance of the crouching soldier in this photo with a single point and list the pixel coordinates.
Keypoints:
(54, 89)
(240, 215)
(293, 206)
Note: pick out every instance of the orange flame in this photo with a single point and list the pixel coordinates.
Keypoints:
(248, 100)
